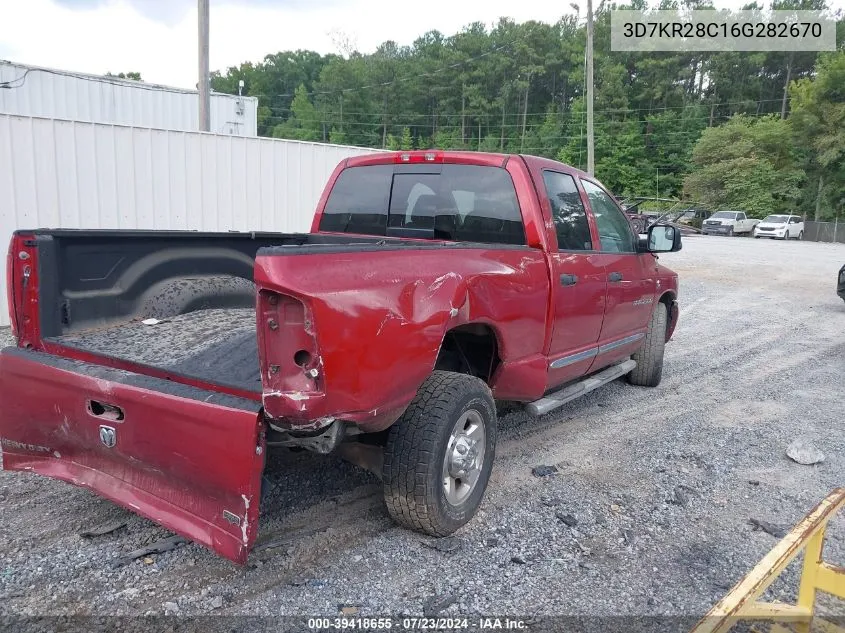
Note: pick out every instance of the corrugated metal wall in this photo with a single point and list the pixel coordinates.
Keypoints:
(59, 94)
(68, 174)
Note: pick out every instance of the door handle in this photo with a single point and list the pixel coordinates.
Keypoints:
(615, 277)
(568, 280)
(105, 411)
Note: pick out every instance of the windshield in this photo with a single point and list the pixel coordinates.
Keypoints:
(726, 215)
(776, 219)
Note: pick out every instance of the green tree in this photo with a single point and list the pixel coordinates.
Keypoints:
(304, 121)
(401, 142)
(338, 137)
(133, 76)
(818, 121)
(747, 164)
(520, 88)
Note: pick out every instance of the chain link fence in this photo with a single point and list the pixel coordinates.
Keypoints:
(824, 232)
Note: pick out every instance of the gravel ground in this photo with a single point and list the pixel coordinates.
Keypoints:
(658, 484)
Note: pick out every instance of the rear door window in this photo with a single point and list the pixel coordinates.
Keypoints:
(570, 218)
(472, 203)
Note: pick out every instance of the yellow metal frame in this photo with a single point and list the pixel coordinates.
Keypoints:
(742, 602)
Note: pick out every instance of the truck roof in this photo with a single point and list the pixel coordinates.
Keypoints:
(435, 156)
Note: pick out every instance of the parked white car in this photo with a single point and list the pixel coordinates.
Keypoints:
(728, 223)
(782, 227)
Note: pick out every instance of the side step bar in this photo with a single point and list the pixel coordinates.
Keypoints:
(559, 398)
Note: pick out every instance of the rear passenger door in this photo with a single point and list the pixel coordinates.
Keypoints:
(578, 280)
(631, 279)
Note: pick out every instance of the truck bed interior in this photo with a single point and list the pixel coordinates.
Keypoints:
(96, 289)
(217, 346)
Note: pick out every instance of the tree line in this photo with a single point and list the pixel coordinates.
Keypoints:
(763, 132)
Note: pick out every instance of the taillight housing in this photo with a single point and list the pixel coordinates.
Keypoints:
(420, 156)
(290, 357)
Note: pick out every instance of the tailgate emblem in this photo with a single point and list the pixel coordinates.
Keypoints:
(108, 436)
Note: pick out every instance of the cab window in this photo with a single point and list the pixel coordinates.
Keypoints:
(568, 213)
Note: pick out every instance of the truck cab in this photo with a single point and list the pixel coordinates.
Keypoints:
(729, 223)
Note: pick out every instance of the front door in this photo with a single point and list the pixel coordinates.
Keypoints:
(578, 281)
(631, 279)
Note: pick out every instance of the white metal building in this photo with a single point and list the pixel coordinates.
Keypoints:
(71, 174)
(45, 92)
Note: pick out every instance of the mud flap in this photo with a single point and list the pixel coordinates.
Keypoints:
(184, 457)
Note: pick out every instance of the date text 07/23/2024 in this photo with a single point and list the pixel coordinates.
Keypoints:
(417, 623)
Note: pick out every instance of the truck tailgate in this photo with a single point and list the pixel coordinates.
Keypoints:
(187, 458)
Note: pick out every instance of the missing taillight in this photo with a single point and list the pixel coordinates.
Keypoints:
(302, 358)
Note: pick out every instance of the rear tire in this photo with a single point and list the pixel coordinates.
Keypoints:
(649, 369)
(800, 235)
(439, 454)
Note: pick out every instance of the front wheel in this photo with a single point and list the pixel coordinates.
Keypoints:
(730, 232)
(649, 357)
(439, 454)
(800, 235)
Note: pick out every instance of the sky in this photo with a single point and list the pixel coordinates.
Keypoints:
(158, 38)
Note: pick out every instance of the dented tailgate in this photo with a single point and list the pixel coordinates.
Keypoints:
(187, 458)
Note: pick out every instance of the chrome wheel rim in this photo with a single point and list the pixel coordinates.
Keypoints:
(464, 457)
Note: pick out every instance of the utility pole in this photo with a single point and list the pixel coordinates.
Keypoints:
(591, 157)
(657, 188)
(203, 84)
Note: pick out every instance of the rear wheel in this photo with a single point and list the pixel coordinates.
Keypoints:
(439, 454)
(800, 235)
(649, 369)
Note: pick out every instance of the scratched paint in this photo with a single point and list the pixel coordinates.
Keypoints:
(245, 523)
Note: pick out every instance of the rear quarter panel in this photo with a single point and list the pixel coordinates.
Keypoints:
(379, 318)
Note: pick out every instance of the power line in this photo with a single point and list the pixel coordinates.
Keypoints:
(569, 112)
(394, 121)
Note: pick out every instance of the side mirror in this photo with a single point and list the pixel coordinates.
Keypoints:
(663, 239)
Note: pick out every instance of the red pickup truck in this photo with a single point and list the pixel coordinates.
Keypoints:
(157, 368)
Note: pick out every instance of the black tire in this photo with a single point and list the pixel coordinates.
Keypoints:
(649, 369)
(786, 237)
(731, 232)
(800, 235)
(416, 451)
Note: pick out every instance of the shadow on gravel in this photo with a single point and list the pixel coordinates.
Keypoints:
(305, 493)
